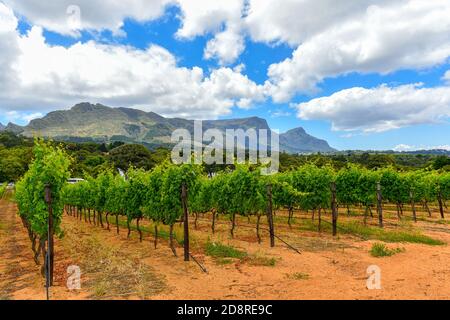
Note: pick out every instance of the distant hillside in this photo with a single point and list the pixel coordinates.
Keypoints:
(432, 152)
(298, 141)
(89, 122)
(436, 152)
(11, 127)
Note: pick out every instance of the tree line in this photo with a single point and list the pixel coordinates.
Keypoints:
(91, 159)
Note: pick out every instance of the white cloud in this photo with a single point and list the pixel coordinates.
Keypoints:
(8, 21)
(447, 76)
(8, 47)
(228, 85)
(28, 117)
(412, 34)
(96, 15)
(440, 147)
(379, 109)
(405, 147)
(198, 17)
(295, 21)
(221, 18)
(55, 77)
(226, 46)
(280, 113)
(239, 68)
(205, 16)
(331, 38)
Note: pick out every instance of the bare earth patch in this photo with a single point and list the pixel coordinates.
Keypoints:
(114, 267)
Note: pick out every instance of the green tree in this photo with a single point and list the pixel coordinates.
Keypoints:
(440, 162)
(131, 155)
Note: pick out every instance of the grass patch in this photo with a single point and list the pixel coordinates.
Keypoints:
(9, 195)
(282, 219)
(224, 261)
(100, 289)
(109, 271)
(261, 260)
(219, 250)
(415, 237)
(352, 214)
(224, 254)
(369, 232)
(298, 276)
(379, 250)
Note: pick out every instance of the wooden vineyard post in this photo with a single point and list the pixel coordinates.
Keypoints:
(413, 205)
(50, 243)
(320, 219)
(270, 215)
(334, 208)
(441, 206)
(380, 206)
(213, 226)
(186, 221)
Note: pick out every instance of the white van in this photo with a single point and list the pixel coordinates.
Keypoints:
(74, 180)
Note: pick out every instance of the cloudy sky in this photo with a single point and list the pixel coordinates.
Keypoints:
(363, 74)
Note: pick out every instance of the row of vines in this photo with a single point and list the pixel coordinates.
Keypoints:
(156, 195)
(49, 173)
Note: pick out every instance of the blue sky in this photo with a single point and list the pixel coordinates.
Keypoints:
(409, 117)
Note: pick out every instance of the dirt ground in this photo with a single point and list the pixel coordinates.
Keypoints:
(114, 267)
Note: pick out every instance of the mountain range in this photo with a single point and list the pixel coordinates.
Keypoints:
(99, 123)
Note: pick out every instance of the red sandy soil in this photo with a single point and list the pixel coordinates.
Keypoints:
(114, 267)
